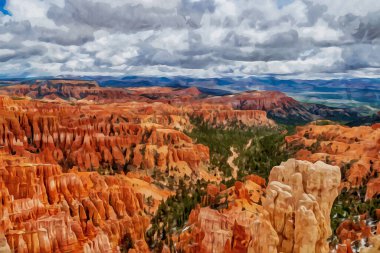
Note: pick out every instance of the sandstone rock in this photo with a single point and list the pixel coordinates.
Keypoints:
(355, 148)
(375, 247)
(97, 137)
(294, 217)
(299, 199)
(66, 212)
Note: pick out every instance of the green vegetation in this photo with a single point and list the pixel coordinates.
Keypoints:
(349, 205)
(267, 147)
(267, 150)
(172, 214)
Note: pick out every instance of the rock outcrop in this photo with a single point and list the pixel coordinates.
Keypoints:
(46, 210)
(355, 150)
(281, 107)
(299, 198)
(294, 216)
(122, 137)
(225, 115)
(70, 90)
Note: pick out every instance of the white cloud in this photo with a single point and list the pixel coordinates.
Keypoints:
(191, 37)
(6, 37)
(320, 32)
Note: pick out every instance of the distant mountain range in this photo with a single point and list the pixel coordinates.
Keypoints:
(363, 94)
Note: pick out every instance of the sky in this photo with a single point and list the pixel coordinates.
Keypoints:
(201, 38)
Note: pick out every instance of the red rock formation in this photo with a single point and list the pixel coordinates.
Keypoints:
(355, 150)
(351, 231)
(294, 216)
(188, 98)
(276, 104)
(70, 89)
(280, 107)
(224, 115)
(45, 210)
(92, 137)
(222, 230)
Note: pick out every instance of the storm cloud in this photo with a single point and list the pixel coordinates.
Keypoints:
(191, 37)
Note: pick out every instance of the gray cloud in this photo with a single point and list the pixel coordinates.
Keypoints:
(22, 53)
(210, 37)
(126, 18)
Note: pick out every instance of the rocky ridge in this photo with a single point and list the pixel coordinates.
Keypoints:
(277, 105)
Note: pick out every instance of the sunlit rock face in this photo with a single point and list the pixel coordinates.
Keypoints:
(299, 199)
(294, 216)
(374, 247)
(356, 149)
(92, 137)
(46, 210)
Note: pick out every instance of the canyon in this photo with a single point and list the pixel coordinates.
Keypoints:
(85, 168)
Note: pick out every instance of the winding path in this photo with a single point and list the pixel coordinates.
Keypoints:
(230, 159)
(230, 162)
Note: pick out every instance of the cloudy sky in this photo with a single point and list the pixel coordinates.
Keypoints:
(204, 38)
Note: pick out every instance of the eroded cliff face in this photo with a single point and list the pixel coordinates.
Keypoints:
(97, 137)
(294, 215)
(299, 198)
(281, 107)
(355, 150)
(46, 210)
(70, 90)
(224, 115)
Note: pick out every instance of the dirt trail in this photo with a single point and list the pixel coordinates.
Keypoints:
(230, 162)
(248, 144)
